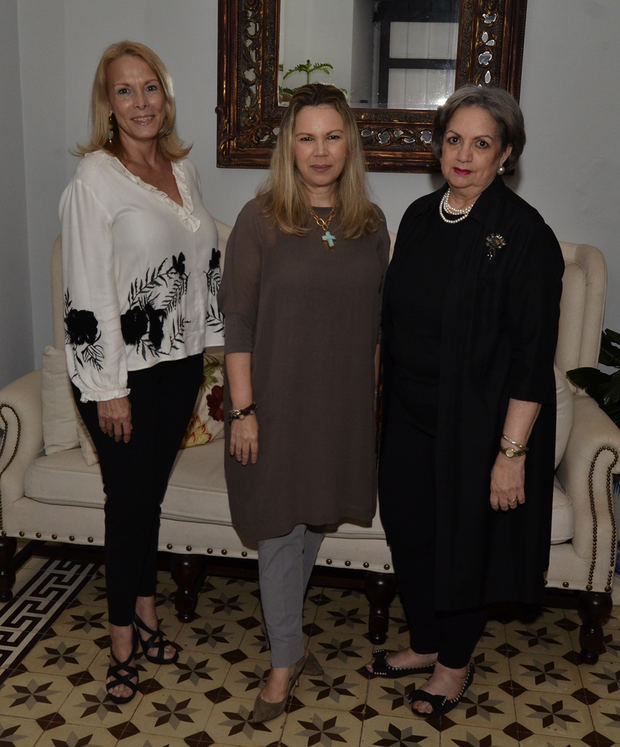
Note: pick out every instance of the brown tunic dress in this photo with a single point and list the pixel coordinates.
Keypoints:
(309, 315)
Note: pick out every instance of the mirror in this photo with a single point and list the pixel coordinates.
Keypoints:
(415, 53)
(395, 55)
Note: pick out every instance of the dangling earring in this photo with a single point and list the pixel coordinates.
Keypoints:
(110, 130)
(501, 170)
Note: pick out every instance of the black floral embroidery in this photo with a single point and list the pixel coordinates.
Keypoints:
(214, 262)
(156, 324)
(173, 278)
(178, 263)
(177, 332)
(152, 299)
(215, 318)
(134, 324)
(82, 332)
(81, 327)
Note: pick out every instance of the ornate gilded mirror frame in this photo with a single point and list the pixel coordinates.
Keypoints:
(490, 49)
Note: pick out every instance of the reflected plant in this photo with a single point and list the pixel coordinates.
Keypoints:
(308, 67)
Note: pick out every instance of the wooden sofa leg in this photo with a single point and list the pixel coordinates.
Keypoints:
(594, 610)
(380, 590)
(8, 545)
(188, 573)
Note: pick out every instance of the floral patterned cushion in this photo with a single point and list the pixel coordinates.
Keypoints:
(207, 421)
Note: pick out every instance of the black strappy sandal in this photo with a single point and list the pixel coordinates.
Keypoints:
(155, 640)
(122, 673)
(441, 704)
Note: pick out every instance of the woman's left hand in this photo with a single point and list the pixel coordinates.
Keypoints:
(507, 483)
(115, 418)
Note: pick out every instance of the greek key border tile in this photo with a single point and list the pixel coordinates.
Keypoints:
(36, 605)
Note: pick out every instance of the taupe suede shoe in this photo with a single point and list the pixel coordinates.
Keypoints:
(312, 666)
(264, 711)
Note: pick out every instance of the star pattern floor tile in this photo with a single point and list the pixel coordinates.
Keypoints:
(529, 687)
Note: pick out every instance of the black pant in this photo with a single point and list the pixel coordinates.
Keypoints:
(408, 512)
(135, 476)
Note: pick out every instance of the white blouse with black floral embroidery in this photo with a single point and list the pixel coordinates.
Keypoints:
(141, 274)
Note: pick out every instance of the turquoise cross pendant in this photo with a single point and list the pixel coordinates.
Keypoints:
(329, 237)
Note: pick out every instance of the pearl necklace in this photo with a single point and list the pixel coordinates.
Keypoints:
(446, 209)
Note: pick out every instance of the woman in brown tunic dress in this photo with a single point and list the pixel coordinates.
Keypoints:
(301, 295)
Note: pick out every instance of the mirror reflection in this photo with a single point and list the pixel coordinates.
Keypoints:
(394, 54)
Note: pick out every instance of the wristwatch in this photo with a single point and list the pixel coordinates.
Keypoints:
(512, 452)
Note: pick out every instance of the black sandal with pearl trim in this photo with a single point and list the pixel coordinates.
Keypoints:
(441, 704)
(381, 668)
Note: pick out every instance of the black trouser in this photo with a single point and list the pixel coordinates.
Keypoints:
(135, 476)
(408, 512)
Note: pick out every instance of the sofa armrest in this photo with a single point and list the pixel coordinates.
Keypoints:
(21, 419)
(590, 459)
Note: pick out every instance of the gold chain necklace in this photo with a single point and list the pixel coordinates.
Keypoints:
(323, 223)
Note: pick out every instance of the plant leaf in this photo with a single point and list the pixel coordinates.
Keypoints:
(610, 349)
(614, 336)
(592, 380)
(603, 388)
(612, 395)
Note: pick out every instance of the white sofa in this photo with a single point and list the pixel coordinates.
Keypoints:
(58, 497)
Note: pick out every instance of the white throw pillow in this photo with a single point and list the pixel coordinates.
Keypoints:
(86, 443)
(58, 408)
(63, 427)
(564, 419)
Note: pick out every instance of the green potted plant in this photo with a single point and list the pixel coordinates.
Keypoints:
(603, 387)
(308, 67)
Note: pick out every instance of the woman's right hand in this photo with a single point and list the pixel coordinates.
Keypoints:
(115, 418)
(244, 439)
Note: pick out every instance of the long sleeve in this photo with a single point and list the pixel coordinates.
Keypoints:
(533, 307)
(94, 345)
(384, 257)
(239, 293)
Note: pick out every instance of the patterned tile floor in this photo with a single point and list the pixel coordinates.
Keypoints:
(529, 687)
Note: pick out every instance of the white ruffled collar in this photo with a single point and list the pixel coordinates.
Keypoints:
(185, 212)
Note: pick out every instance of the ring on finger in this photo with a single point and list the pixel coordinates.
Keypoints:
(512, 502)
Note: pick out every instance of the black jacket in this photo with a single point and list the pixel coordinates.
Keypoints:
(499, 332)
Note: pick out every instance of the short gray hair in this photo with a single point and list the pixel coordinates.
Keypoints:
(500, 105)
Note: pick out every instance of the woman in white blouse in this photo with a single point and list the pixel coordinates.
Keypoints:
(140, 267)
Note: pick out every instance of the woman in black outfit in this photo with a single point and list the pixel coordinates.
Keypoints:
(471, 307)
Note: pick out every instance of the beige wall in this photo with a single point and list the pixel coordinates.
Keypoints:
(569, 169)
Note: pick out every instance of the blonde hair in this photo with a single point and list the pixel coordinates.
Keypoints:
(285, 197)
(170, 144)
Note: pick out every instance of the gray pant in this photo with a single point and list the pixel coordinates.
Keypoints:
(284, 568)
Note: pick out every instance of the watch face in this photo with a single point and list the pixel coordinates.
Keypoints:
(510, 452)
